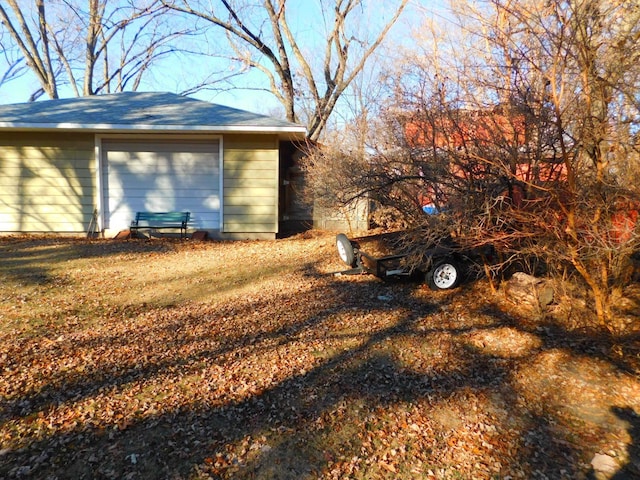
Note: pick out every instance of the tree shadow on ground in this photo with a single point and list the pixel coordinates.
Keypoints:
(28, 260)
(631, 469)
(359, 402)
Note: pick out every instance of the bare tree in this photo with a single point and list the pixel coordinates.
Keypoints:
(33, 42)
(14, 63)
(577, 74)
(261, 36)
(93, 46)
(524, 134)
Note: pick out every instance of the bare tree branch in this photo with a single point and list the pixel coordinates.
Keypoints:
(79, 43)
(39, 62)
(279, 51)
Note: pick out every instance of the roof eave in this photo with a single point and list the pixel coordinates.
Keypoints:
(293, 131)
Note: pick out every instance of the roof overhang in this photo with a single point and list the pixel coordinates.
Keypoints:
(286, 133)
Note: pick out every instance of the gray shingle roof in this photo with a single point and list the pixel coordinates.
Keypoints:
(139, 111)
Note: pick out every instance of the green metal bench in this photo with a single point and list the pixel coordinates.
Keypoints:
(161, 220)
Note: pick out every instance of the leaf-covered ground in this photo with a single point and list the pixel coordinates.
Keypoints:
(185, 360)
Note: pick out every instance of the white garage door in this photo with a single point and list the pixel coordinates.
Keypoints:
(161, 176)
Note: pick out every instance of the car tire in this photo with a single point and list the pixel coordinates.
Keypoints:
(345, 250)
(444, 275)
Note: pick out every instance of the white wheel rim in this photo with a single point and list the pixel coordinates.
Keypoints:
(342, 252)
(445, 276)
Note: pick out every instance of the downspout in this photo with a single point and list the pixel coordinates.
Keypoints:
(221, 181)
(99, 200)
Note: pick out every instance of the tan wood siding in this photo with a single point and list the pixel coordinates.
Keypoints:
(47, 182)
(250, 184)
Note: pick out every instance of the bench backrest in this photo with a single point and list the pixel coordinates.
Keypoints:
(162, 218)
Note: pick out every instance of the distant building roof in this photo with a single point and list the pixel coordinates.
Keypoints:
(139, 112)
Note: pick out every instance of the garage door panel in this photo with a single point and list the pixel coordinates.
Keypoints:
(201, 220)
(182, 193)
(140, 165)
(151, 178)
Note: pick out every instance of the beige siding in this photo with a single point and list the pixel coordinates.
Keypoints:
(47, 182)
(250, 184)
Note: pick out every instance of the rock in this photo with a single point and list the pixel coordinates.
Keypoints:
(522, 288)
(604, 463)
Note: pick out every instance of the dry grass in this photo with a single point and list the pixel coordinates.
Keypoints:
(181, 360)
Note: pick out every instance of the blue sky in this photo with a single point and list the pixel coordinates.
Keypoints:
(175, 75)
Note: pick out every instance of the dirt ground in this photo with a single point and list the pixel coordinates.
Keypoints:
(203, 360)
